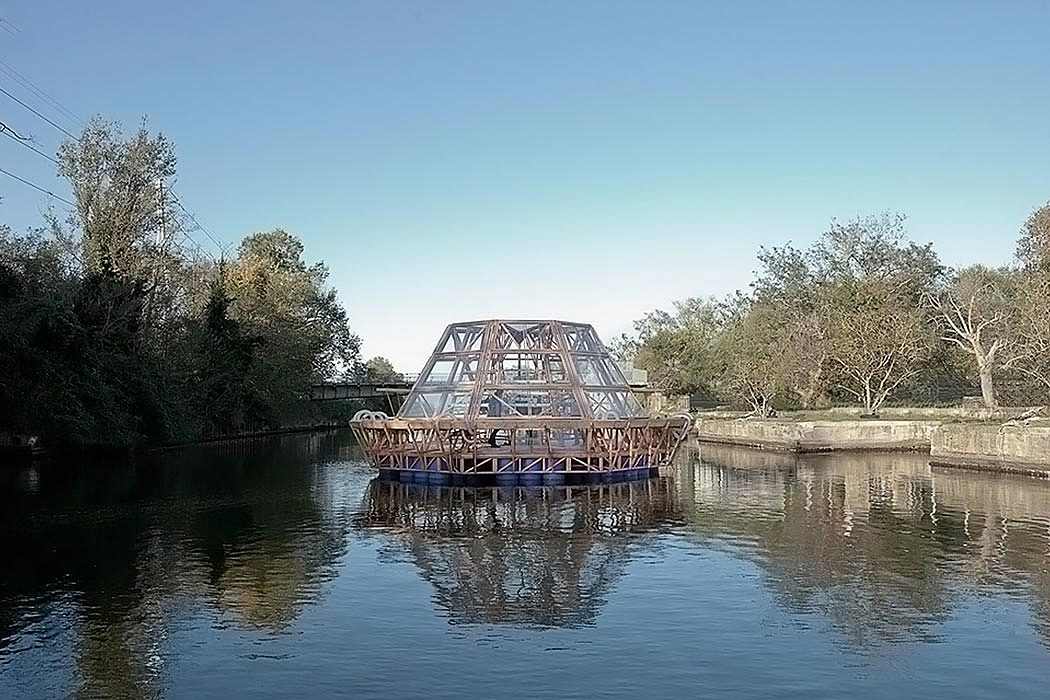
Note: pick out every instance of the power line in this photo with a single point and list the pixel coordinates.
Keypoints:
(15, 134)
(202, 227)
(196, 245)
(60, 128)
(37, 187)
(29, 146)
(12, 134)
(25, 82)
(23, 141)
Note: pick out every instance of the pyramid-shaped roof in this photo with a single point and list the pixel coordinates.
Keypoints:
(513, 369)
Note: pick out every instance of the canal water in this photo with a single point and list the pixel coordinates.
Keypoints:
(281, 569)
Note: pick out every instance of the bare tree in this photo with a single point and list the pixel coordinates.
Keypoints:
(876, 348)
(805, 354)
(974, 314)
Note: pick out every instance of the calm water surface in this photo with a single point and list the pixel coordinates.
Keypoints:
(282, 569)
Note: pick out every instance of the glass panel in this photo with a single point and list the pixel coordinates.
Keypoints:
(556, 370)
(564, 404)
(529, 403)
(599, 404)
(520, 367)
(632, 406)
(423, 404)
(457, 404)
(463, 338)
(440, 372)
(452, 370)
(594, 371)
(512, 403)
(582, 338)
(613, 404)
(530, 438)
(494, 404)
(614, 372)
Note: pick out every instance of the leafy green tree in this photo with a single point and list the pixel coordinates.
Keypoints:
(624, 348)
(111, 335)
(1031, 351)
(227, 351)
(787, 282)
(877, 344)
(126, 219)
(834, 300)
(755, 365)
(1033, 245)
(871, 283)
(679, 350)
(302, 328)
(379, 369)
(35, 310)
(841, 316)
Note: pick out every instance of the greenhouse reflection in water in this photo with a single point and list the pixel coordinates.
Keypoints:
(543, 555)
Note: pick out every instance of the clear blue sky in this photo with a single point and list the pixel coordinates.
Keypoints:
(583, 160)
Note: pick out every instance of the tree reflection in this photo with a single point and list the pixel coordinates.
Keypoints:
(537, 557)
(878, 543)
(118, 548)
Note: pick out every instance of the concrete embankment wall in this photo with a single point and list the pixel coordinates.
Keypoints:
(1011, 448)
(818, 436)
(1024, 449)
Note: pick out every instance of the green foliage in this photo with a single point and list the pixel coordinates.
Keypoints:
(756, 368)
(125, 215)
(679, 350)
(109, 335)
(227, 351)
(379, 369)
(1033, 245)
(624, 348)
(839, 319)
(301, 327)
(1030, 327)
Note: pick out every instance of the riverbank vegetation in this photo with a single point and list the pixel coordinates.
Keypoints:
(863, 316)
(113, 331)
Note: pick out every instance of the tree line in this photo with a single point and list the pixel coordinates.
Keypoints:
(113, 332)
(862, 316)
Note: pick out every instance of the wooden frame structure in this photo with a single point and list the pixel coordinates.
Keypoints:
(529, 401)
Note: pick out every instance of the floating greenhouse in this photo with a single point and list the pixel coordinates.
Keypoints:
(519, 402)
